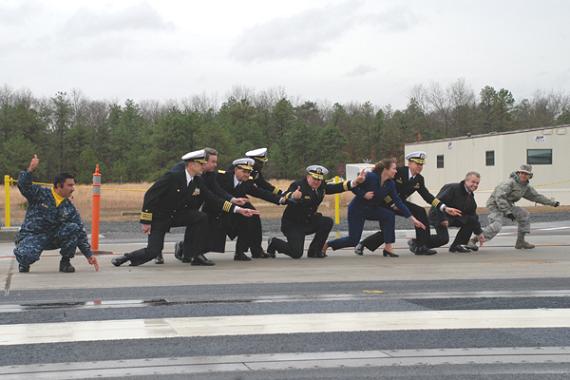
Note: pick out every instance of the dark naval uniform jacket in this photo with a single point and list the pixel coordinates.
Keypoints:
(299, 213)
(406, 186)
(170, 194)
(456, 195)
(220, 225)
(262, 183)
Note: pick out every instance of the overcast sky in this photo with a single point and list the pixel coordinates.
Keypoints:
(345, 50)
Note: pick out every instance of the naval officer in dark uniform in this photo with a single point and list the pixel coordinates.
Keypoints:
(301, 218)
(259, 157)
(409, 180)
(174, 200)
(238, 183)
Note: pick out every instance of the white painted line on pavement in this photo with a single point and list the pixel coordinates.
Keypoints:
(35, 333)
(286, 361)
(554, 228)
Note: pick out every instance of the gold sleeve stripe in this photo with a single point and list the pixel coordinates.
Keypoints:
(276, 190)
(435, 202)
(227, 206)
(387, 199)
(146, 216)
(286, 195)
(345, 185)
(222, 171)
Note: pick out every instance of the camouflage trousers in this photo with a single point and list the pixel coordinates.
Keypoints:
(497, 217)
(29, 246)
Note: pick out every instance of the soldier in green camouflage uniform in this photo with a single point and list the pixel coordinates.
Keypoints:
(51, 222)
(501, 205)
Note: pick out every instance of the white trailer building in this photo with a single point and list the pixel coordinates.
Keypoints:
(496, 155)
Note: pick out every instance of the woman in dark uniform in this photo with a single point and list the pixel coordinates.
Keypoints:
(368, 204)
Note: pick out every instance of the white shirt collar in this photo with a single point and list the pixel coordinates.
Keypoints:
(236, 181)
(410, 175)
(189, 178)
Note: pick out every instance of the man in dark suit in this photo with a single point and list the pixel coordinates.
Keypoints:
(301, 218)
(459, 196)
(408, 181)
(174, 200)
(237, 182)
(209, 175)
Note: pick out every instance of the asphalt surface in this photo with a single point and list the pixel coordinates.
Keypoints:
(272, 226)
(143, 300)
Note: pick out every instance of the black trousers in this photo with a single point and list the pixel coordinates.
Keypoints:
(195, 235)
(466, 224)
(423, 237)
(320, 225)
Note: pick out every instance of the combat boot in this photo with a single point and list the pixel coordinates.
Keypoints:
(521, 243)
(65, 266)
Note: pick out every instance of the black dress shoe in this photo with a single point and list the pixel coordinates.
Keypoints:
(389, 254)
(179, 250)
(66, 267)
(359, 249)
(159, 259)
(259, 255)
(241, 257)
(460, 248)
(202, 260)
(270, 249)
(23, 268)
(316, 255)
(472, 247)
(412, 245)
(118, 261)
(424, 251)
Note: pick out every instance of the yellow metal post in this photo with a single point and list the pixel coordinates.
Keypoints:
(7, 180)
(337, 206)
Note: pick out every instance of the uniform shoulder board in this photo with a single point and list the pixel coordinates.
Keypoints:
(221, 171)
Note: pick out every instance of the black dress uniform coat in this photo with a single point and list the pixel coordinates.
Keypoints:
(457, 196)
(171, 202)
(247, 230)
(262, 183)
(301, 218)
(406, 186)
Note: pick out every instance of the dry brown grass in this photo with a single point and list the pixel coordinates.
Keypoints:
(122, 202)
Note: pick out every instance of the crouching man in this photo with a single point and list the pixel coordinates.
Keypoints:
(501, 205)
(51, 222)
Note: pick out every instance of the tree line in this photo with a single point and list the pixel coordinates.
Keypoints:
(138, 141)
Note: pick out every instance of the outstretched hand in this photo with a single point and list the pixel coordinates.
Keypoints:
(361, 177)
(240, 201)
(453, 211)
(369, 195)
(247, 212)
(34, 163)
(146, 229)
(418, 224)
(92, 260)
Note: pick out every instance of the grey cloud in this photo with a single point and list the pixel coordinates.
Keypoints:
(86, 22)
(360, 70)
(313, 31)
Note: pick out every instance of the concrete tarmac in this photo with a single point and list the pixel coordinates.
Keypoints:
(497, 259)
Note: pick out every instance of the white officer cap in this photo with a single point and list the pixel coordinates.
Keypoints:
(244, 163)
(317, 171)
(196, 156)
(418, 157)
(259, 154)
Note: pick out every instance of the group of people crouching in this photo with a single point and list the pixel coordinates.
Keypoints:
(213, 204)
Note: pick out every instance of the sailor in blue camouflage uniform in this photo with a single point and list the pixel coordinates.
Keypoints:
(51, 222)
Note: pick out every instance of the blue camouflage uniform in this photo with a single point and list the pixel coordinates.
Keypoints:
(47, 226)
